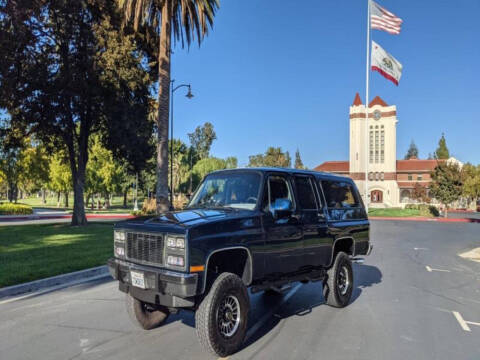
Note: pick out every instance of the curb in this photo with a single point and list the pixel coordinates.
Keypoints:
(425, 219)
(59, 281)
(51, 217)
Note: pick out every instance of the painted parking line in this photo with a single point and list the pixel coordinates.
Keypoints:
(464, 323)
(415, 248)
(429, 269)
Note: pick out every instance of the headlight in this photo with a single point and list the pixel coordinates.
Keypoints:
(119, 235)
(175, 242)
(119, 243)
(119, 249)
(175, 260)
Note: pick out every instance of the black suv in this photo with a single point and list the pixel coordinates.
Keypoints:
(260, 228)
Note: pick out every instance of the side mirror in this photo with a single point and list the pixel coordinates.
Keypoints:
(281, 209)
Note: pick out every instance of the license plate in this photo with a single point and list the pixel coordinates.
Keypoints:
(138, 279)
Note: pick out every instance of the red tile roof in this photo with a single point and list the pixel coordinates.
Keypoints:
(334, 166)
(357, 101)
(377, 101)
(416, 165)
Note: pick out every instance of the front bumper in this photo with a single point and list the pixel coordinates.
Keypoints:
(162, 287)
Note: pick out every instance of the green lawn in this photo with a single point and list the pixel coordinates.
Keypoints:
(31, 252)
(394, 212)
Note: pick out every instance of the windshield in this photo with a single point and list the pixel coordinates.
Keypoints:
(235, 190)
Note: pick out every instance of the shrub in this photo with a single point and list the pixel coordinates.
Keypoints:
(428, 210)
(149, 206)
(15, 209)
(412, 206)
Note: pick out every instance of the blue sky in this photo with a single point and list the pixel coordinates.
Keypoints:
(284, 73)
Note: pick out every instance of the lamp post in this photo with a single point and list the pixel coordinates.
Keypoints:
(189, 96)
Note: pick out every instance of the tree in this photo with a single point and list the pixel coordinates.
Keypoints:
(298, 161)
(67, 73)
(471, 182)
(446, 184)
(412, 152)
(159, 19)
(273, 157)
(442, 150)
(34, 173)
(419, 193)
(207, 165)
(201, 140)
(60, 175)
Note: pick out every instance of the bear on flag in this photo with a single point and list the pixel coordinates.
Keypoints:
(385, 64)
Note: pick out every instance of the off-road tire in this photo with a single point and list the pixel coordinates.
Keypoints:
(206, 321)
(331, 289)
(145, 318)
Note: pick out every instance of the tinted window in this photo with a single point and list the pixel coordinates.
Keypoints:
(279, 189)
(306, 196)
(339, 194)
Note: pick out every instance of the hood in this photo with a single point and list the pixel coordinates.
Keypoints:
(185, 218)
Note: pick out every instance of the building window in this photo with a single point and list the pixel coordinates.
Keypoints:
(376, 141)
(410, 177)
(419, 177)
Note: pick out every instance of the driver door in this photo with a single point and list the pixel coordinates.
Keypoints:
(283, 237)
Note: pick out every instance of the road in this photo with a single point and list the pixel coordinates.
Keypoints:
(403, 307)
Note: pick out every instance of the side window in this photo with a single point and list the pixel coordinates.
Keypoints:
(339, 195)
(279, 189)
(305, 193)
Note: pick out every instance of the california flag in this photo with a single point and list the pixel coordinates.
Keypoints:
(385, 64)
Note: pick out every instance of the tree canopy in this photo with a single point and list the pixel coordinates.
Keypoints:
(298, 161)
(201, 140)
(273, 157)
(446, 184)
(67, 72)
(412, 152)
(442, 150)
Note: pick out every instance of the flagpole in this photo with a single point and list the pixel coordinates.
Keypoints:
(367, 154)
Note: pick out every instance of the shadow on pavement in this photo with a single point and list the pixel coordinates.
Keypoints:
(307, 298)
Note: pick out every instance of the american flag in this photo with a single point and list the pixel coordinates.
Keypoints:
(382, 19)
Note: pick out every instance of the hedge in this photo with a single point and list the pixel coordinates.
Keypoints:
(15, 209)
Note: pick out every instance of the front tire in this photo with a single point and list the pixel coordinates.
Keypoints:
(143, 315)
(221, 318)
(338, 288)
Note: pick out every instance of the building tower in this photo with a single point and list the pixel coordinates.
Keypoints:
(382, 155)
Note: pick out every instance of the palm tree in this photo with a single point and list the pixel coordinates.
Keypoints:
(188, 19)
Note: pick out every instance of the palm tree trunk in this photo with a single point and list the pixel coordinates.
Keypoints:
(163, 108)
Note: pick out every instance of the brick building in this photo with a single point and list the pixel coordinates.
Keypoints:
(390, 181)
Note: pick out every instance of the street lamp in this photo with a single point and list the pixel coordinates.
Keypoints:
(189, 96)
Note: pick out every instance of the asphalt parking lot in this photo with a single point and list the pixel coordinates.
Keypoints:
(414, 298)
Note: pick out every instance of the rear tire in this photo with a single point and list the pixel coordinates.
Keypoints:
(221, 318)
(145, 317)
(338, 287)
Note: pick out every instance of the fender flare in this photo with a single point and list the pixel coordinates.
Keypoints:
(250, 260)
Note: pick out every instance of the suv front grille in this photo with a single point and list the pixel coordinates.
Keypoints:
(145, 248)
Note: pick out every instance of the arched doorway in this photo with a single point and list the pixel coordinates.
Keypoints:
(405, 196)
(376, 196)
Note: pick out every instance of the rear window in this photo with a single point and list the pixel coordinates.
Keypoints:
(339, 195)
